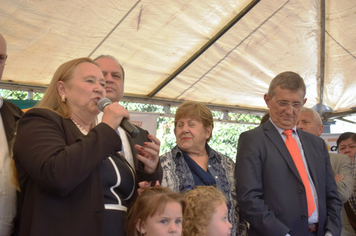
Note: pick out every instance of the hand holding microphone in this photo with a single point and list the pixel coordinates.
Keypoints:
(125, 123)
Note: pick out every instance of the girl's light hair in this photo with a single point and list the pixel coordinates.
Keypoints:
(152, 200)
(201, 205)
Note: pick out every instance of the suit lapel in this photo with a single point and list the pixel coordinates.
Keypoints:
(9, 118)
(273, 134)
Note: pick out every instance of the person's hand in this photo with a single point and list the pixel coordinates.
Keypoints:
(339, 177)
(113, 115)
(144, 185)
(149, 154)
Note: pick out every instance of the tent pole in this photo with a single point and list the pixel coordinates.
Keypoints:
(113, 29)
(322, 55)
(203, 48)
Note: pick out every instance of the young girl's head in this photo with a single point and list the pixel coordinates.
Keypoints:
(206, 213)
(157, 212)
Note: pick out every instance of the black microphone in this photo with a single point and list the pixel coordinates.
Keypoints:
(125, 123)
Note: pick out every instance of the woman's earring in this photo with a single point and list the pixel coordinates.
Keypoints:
(64, 99)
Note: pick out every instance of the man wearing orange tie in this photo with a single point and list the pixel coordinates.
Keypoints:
(285, 184)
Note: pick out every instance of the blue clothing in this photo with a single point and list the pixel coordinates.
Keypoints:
(200, 176)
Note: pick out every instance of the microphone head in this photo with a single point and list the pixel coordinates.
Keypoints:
(103, 102)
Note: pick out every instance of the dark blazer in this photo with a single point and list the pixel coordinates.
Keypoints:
(59, 174)
(270, 191)
(10, 114)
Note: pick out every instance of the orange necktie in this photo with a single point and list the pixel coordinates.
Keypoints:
(298, 161)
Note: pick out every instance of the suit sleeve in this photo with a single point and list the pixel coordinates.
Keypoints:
(345, 186)
(333, 202)
(249, 188)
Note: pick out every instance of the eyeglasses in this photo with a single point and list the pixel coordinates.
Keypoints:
(287, 104)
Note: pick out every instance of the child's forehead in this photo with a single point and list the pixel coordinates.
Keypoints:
(162, 208)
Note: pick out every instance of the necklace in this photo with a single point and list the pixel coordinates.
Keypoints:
(80, 128)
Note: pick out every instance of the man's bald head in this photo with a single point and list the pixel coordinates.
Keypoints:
(3, 55)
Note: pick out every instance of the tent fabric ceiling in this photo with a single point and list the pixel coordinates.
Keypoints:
(152, 39)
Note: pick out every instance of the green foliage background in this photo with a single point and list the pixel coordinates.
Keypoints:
(225, 135)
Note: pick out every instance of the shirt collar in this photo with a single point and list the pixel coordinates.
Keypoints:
(280, 131)
(178, 153)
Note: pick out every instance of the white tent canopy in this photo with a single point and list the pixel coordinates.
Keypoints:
(172, 50)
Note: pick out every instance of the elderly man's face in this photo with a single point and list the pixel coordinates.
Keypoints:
(3, 55)
(284, 107)
(113, 77)
(307, 123)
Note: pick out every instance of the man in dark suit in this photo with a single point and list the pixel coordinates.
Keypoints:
(277, 194)
(134, 148)
(10, 114)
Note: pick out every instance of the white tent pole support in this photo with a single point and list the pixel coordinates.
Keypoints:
(22, 86)
(216, 120)
(168, 102)
(346, 120)
(225, 115)
(167, 109)
(322, 55)
(176, 103)
(335, 115)
(30, 95)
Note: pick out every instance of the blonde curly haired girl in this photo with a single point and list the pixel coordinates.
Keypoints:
(206, 213)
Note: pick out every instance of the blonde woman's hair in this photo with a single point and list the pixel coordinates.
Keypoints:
(65, 72)
(14, 174)
(52, 100)
(201, 205)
